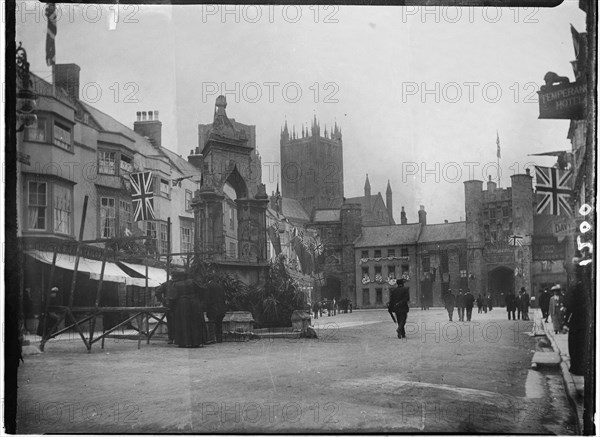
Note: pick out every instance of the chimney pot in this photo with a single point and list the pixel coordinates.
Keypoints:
(139, 115)
(66, 76)
(156, 115)
(150, 113)
(143, 115)
(527, 171)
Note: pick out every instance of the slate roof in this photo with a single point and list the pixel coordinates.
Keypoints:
(326, 215)
(293, 209)
(393, 235)
(184, 167)
(109, 124)
(443, 232)
(362, 200)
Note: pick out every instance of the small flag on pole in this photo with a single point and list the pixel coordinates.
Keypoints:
(51, 34)
(498, 145)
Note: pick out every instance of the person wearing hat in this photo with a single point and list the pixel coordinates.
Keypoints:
(544, 302)
(398, 305)
(469, 299)
(50, 319)
(524, 304)
(460, 305)
(556, 309)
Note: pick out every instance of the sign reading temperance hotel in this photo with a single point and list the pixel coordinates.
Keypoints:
(565, 101)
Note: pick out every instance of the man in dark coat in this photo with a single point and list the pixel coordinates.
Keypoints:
(524, 304)
(398, 305)
(315, 309)
(511, 304)
(469, 299)
(460, 304)
(544, 301)
(449, 302)
(214, 303)
(190, 326)
(518, 297)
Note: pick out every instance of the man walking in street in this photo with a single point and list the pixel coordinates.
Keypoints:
(460, 304)
(544, 302)
(524, 304)
(449, 302)
(519, 306)
(469, 299)
(398, 305)
(511, 304)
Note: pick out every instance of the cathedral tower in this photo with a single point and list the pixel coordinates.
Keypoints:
(312, 166)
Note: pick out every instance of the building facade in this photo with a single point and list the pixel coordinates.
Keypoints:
(76, 152)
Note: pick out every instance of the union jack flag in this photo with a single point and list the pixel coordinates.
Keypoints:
(554, 186)
(143, 196)
(515, 240)
(51, 34)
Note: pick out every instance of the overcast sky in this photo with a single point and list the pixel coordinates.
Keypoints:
(413, 89)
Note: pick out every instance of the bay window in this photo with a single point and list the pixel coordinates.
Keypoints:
(37, 205)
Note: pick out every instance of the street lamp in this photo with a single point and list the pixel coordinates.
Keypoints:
(26, 98)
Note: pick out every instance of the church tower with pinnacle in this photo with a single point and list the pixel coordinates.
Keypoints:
(312, 166)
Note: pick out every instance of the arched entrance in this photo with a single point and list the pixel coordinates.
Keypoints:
(500, 281)
(332, 289)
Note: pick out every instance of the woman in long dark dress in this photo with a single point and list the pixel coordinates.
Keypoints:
(190, 326)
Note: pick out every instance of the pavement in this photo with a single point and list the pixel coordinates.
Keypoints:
(573, 383)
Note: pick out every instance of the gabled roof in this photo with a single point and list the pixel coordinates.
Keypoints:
(326, 215)
(293, 209)
(362, 200)
(184, 167)
(109, 124)
(44, 88)
(443, 232)
(393, 235)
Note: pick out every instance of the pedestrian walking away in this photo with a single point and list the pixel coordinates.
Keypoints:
(469, 299)
(460, 305)
(524, 304)
(519, 308)
(479, 304)
(449, 302)
(556, 309)
(511, 304)
(398, 305)
(544, 302)
(489, 302)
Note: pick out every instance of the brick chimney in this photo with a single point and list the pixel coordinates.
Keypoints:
(422, 216)
(66, 76)
(148, 125)
(196, 159)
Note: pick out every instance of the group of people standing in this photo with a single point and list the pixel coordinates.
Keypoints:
(518, 304)
(463, 302)
(332, 307)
